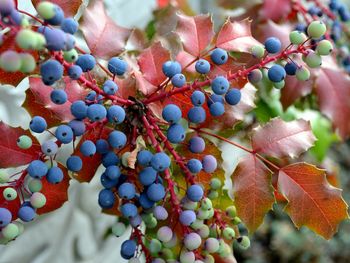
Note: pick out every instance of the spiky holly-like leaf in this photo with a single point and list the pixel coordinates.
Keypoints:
(70, 7)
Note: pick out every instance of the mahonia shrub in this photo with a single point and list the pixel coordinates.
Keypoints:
(155, 117)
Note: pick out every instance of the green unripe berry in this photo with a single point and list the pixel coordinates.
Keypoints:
(25, 22)
(226, 251)
(202, 214)
(24, 142)
(206, 204)
(190, 205)
(209, 259)
(46, 10)
(152, 223)
(51, 163)
(167, 253)
(236, 220)
(229, 233)
(212, 245)
(147, 217)
(231, 211)
(316, 29)
(324, 47)
(40, 41)
(70, 56)
(279, 85)
(214, 231)
(155, 246)
(197, 224)
(28, 63)
(313, 60)
(37, 200)
(4, 177)
(192, 241)
(258, 51)
(215, 183)
(243, 242)
(187, 256)
(211, 213)
(10, 231)
(203, 231)
(26, 39)
(213, 195)
(221, 246)
(10, 61)
(172, 243)
(9, 194)
(302, 73)
(297, 37)
(118, 229)
(20, 227)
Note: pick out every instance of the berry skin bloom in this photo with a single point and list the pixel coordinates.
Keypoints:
(273, 45)
(117, 66)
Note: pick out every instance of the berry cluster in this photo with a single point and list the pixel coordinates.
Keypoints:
(177, 208)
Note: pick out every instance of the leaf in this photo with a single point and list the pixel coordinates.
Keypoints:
(252, 190)
(279, 138)
(332, 88)
(236, 36)
(56, 194)
(104, 38)
(10, 154)
(143, 85)
(275, 9)
(127, 87)
(163, 3)
(38, 100)
(151, 61)
(228, 4)
(196, 33)
(312, 201)
(70, 7)
(13, 206)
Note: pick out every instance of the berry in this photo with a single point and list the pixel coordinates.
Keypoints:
(74, 72)
(57, 18)
(37, 169)
(26, 39)
(197, 98)
(164, 234)
(51, 71)
(106, 198)
(219, 56)
(302, 73)
(6, 7)
(211, 245)
(113, 172)
(176, 133)
(127, 191)
(118, 229)
(117, 139)
(192, 241)
(79, 109)
(316, 29)
(102, 146)
(54, 175)
(196, 114)
(144, 157)
(64, 134)
(10, 231)
(194, 193)
(35, 185)
(5, 217)
(160, 213)
(69, 25)
(145, 202)
(187, 256)
(255, 76)
(128, 210)
(110, 158)
(178, 80)
(55, 38)
(324, 47)
(196, 144)
(217, 109)
(28, 63)
(117, 66)
(276, 73)
(229, 233)
(74, 163)
(87, 62)
(26, 213)
(136, 221)
(96, 112)
(107, 182)
(243, 242)
(160, 161)
(220, 85)
(231, 212)
(9, 194)
(209, 163)
(49, 148)
(297, 37)
(279, 85)
(313, 60)
(71, 56)
(4, 177)
(78, 127)
(155, 192)
(171, 113)
(58, 96)
(110, 87)
(37, 200)
(128, 249)
(258, 51)
(24, 142)
(88, 148)
(38, 124)
(171, 68)
(233, 96)
(147, 176)
(273, 45)
(202, 66)
(155, 246)
(290, 68)
(10, 61)
(194, 165)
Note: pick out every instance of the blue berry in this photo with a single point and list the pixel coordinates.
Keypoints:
(171, 113)
(290, 68)
(220, 85)
(194, 165)
(196, 144)
(171, 68)
(128, 210)
(147, 176)
(37, 169)
(6, 7)
(144, 157)
(160, 213)
(209, 163)
(69, 42)
(102, 146)
(55, 38)
(233, 96)
(187, 217)
(16, 17)
(117, 66)
(86, 62)
(117, 139)
(127, 191)
(176, 133)
(88, 148)
(202, 66)
(301, 27)
(219, 56)
(112, 172)
(38, 124)
(69, 25)
(51, 71)
(26, 213)
(96, 112)
(196, 114)
(115, 114)
(178, 80)
(106, 198)
(194, 193)
(64, 134)
(276, 73)
(55, 175)
(110, 87)
(145, 202)
(74, 72)
(197, 98)
(58, 96)
(315, 11)
(107, 182)
(58, 17)
(78, 127)
(128, 249)
(155, 192)
(160, 161)
(215, 98)
(49, 148)
(273, 45)
(110, 158)
(79, 109)
(136, 221)
(5, 217)
(74, 163)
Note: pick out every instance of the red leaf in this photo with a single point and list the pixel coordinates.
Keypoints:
(236, 36)
(252, 190)
(196, 33)
(163, 3)
(13, 206)
(312, 201)
(10, 154)
(127, 87)
(56, 194)
(275, 9)
(279, 138)
(104, 38)
(185, 59)
(38, 100)
(70, 7)
(151, 61)
(143, 85)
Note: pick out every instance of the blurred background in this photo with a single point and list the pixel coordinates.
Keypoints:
(77, 231)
